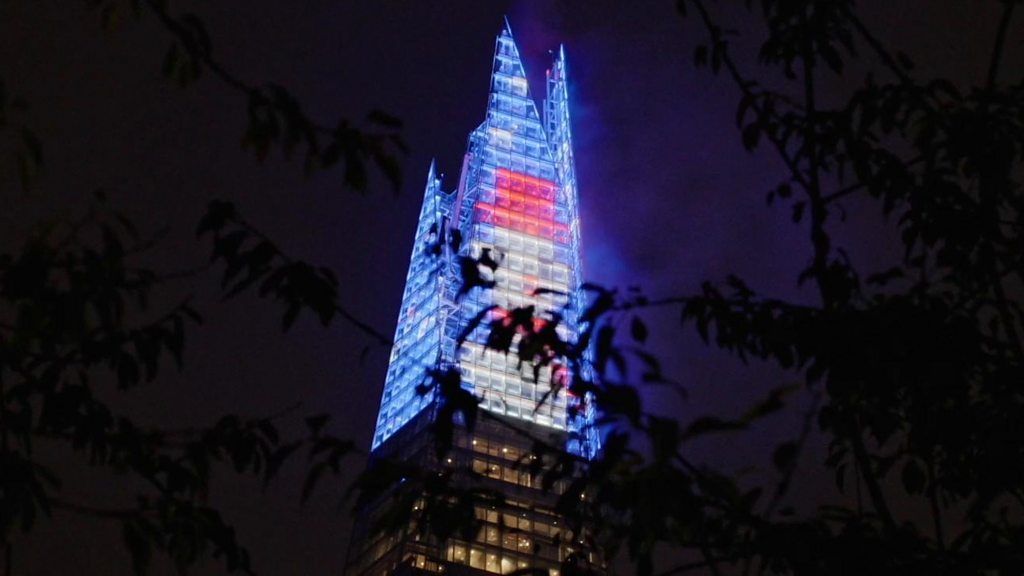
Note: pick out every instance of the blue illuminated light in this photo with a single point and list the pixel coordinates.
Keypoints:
(517, 197)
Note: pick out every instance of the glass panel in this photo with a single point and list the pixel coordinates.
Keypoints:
(476, 557)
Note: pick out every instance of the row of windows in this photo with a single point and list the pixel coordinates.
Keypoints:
(421, 281)
(504, 238)
(518, 263)
(499, 449)
(524, 205)
(529, 186)
(398, 417)
(413, 354)
(510, 299)
(535, 226)
(507, 46)
(523, 134)
(485, 556)
(516, 290)
(531, 525)
(514, 84)
(528, 263)
(508, 474)
(519, 537)
(491, 561)
(500, 181)
(522, 382)
(515, 161)
(502, 122)
(423, 563)
(525, 127)
(400, 401)
(520, 107)
(548, 414)
(501, 546)
(474, 357)
(507, 58)
(490, 376)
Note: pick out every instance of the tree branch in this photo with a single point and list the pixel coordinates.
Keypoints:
(94, 511)
(801, 442)
(879, 49)
(346, 142)
(362, 325)
(933, 501)
(203, 56)
(843, 192)
(867, 473)
(819, 238)
(744, 86)
(1000, 43)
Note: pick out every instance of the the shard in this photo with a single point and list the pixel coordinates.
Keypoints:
(516, 204)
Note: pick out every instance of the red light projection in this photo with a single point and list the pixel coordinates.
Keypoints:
(561, 378)
(525, 204)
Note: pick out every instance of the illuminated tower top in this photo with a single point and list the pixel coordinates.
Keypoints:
(516, 199)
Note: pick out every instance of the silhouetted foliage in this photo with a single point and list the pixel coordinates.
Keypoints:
(76, 316)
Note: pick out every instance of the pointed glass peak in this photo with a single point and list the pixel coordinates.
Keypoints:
(511, 110)
(430, 192)
(507, 30)
(557, 70)
(433, 179)
(506, 56)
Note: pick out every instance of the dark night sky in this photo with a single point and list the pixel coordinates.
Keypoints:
(669, 197)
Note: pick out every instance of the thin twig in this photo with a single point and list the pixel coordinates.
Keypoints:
(801, 442)
(843, 192)
(998, 48)
(879, 49)
(821, 244)
(819, 239)
(351, 318)
(744, 87)
(933, 500)
(637, 304)
(867, 473)
(94, 511)
(215, 67)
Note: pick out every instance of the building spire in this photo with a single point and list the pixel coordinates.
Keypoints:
(510, 90)
(516, 201)
(507, 59)
(432, 171)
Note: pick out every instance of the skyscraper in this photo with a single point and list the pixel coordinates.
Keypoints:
(515, 204)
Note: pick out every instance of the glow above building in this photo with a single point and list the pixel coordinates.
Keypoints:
(516, 198)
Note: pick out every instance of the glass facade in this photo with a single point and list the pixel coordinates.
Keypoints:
(516, 199)
(522, 532)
